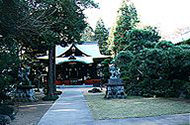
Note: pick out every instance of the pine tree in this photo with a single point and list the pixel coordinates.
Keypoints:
(101, 35)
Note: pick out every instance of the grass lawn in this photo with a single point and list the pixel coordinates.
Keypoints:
(134, 106)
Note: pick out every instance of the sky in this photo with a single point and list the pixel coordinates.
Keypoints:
(167, 15)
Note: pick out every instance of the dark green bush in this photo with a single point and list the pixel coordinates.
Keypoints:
(7, 110)
(162, 71)
(4, 120)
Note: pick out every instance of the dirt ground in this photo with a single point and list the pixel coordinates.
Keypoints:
(30, 113)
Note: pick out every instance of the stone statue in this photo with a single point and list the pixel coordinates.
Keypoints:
(115, 87)
(115, 72)
(24, 90)
(20, 75)
(26, 75)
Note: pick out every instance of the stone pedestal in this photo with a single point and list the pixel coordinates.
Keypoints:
(115, 89)
(25, 93)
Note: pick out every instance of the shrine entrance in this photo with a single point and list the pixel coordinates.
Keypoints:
(72, 73)
(78, 64)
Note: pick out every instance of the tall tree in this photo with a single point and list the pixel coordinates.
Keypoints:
(126, 20)
(101, 35)
(66, 25)
(42, 24)
(11, 18)
(88, 34)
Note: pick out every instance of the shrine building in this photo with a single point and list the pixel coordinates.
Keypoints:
(78, 64)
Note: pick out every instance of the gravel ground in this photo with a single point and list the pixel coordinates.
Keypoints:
(30, 113)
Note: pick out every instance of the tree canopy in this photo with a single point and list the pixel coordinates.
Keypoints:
(101, 35)
(39, 24)
(126, 20)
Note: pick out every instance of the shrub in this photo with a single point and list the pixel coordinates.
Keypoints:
(161, 71)
(7, 110)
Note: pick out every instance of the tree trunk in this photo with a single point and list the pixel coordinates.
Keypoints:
(54, 68)
(51, 77)
(51, 83)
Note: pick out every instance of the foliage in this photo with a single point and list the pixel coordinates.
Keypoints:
(123, 60)
(185, 42)
(88, 34)
(164, 45)
(105, 70)
(8, 68)
(127, 20)
(36, 24)
(138, 39)
(101, 35)
(7, 110)
(160, 71)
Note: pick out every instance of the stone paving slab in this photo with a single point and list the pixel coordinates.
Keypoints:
(71, 109)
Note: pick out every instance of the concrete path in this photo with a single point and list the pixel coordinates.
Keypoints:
(71, 109)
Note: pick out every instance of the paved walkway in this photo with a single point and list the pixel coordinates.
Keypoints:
(71, 109)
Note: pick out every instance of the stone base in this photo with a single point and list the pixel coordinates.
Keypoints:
(115, 89)
(25, 93)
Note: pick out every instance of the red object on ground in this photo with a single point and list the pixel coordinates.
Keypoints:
(87, 82)
(92, 81)
(66, 82)
(58, 82)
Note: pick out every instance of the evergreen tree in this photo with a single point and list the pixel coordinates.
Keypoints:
(12, 12)
(42, 24)
(66, 22)
(110, 39)
(139, 39)
(88, 34)
(126, 20)
(101, 35)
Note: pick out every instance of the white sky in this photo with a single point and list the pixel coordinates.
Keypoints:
(167, 15)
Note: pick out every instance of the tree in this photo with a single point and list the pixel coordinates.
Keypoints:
(42, 24)
(66, 22)
(11, 18)
(101, 35)
(126, 20)
(139, 39)
(88, 34)
(161, 70)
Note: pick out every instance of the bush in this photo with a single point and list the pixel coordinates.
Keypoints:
(4, 119)
(186, 90)
(7, 110)
(162, 71)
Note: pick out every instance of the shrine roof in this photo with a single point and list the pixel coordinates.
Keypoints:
(90, 51)
(88, 48)
(86, 60)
